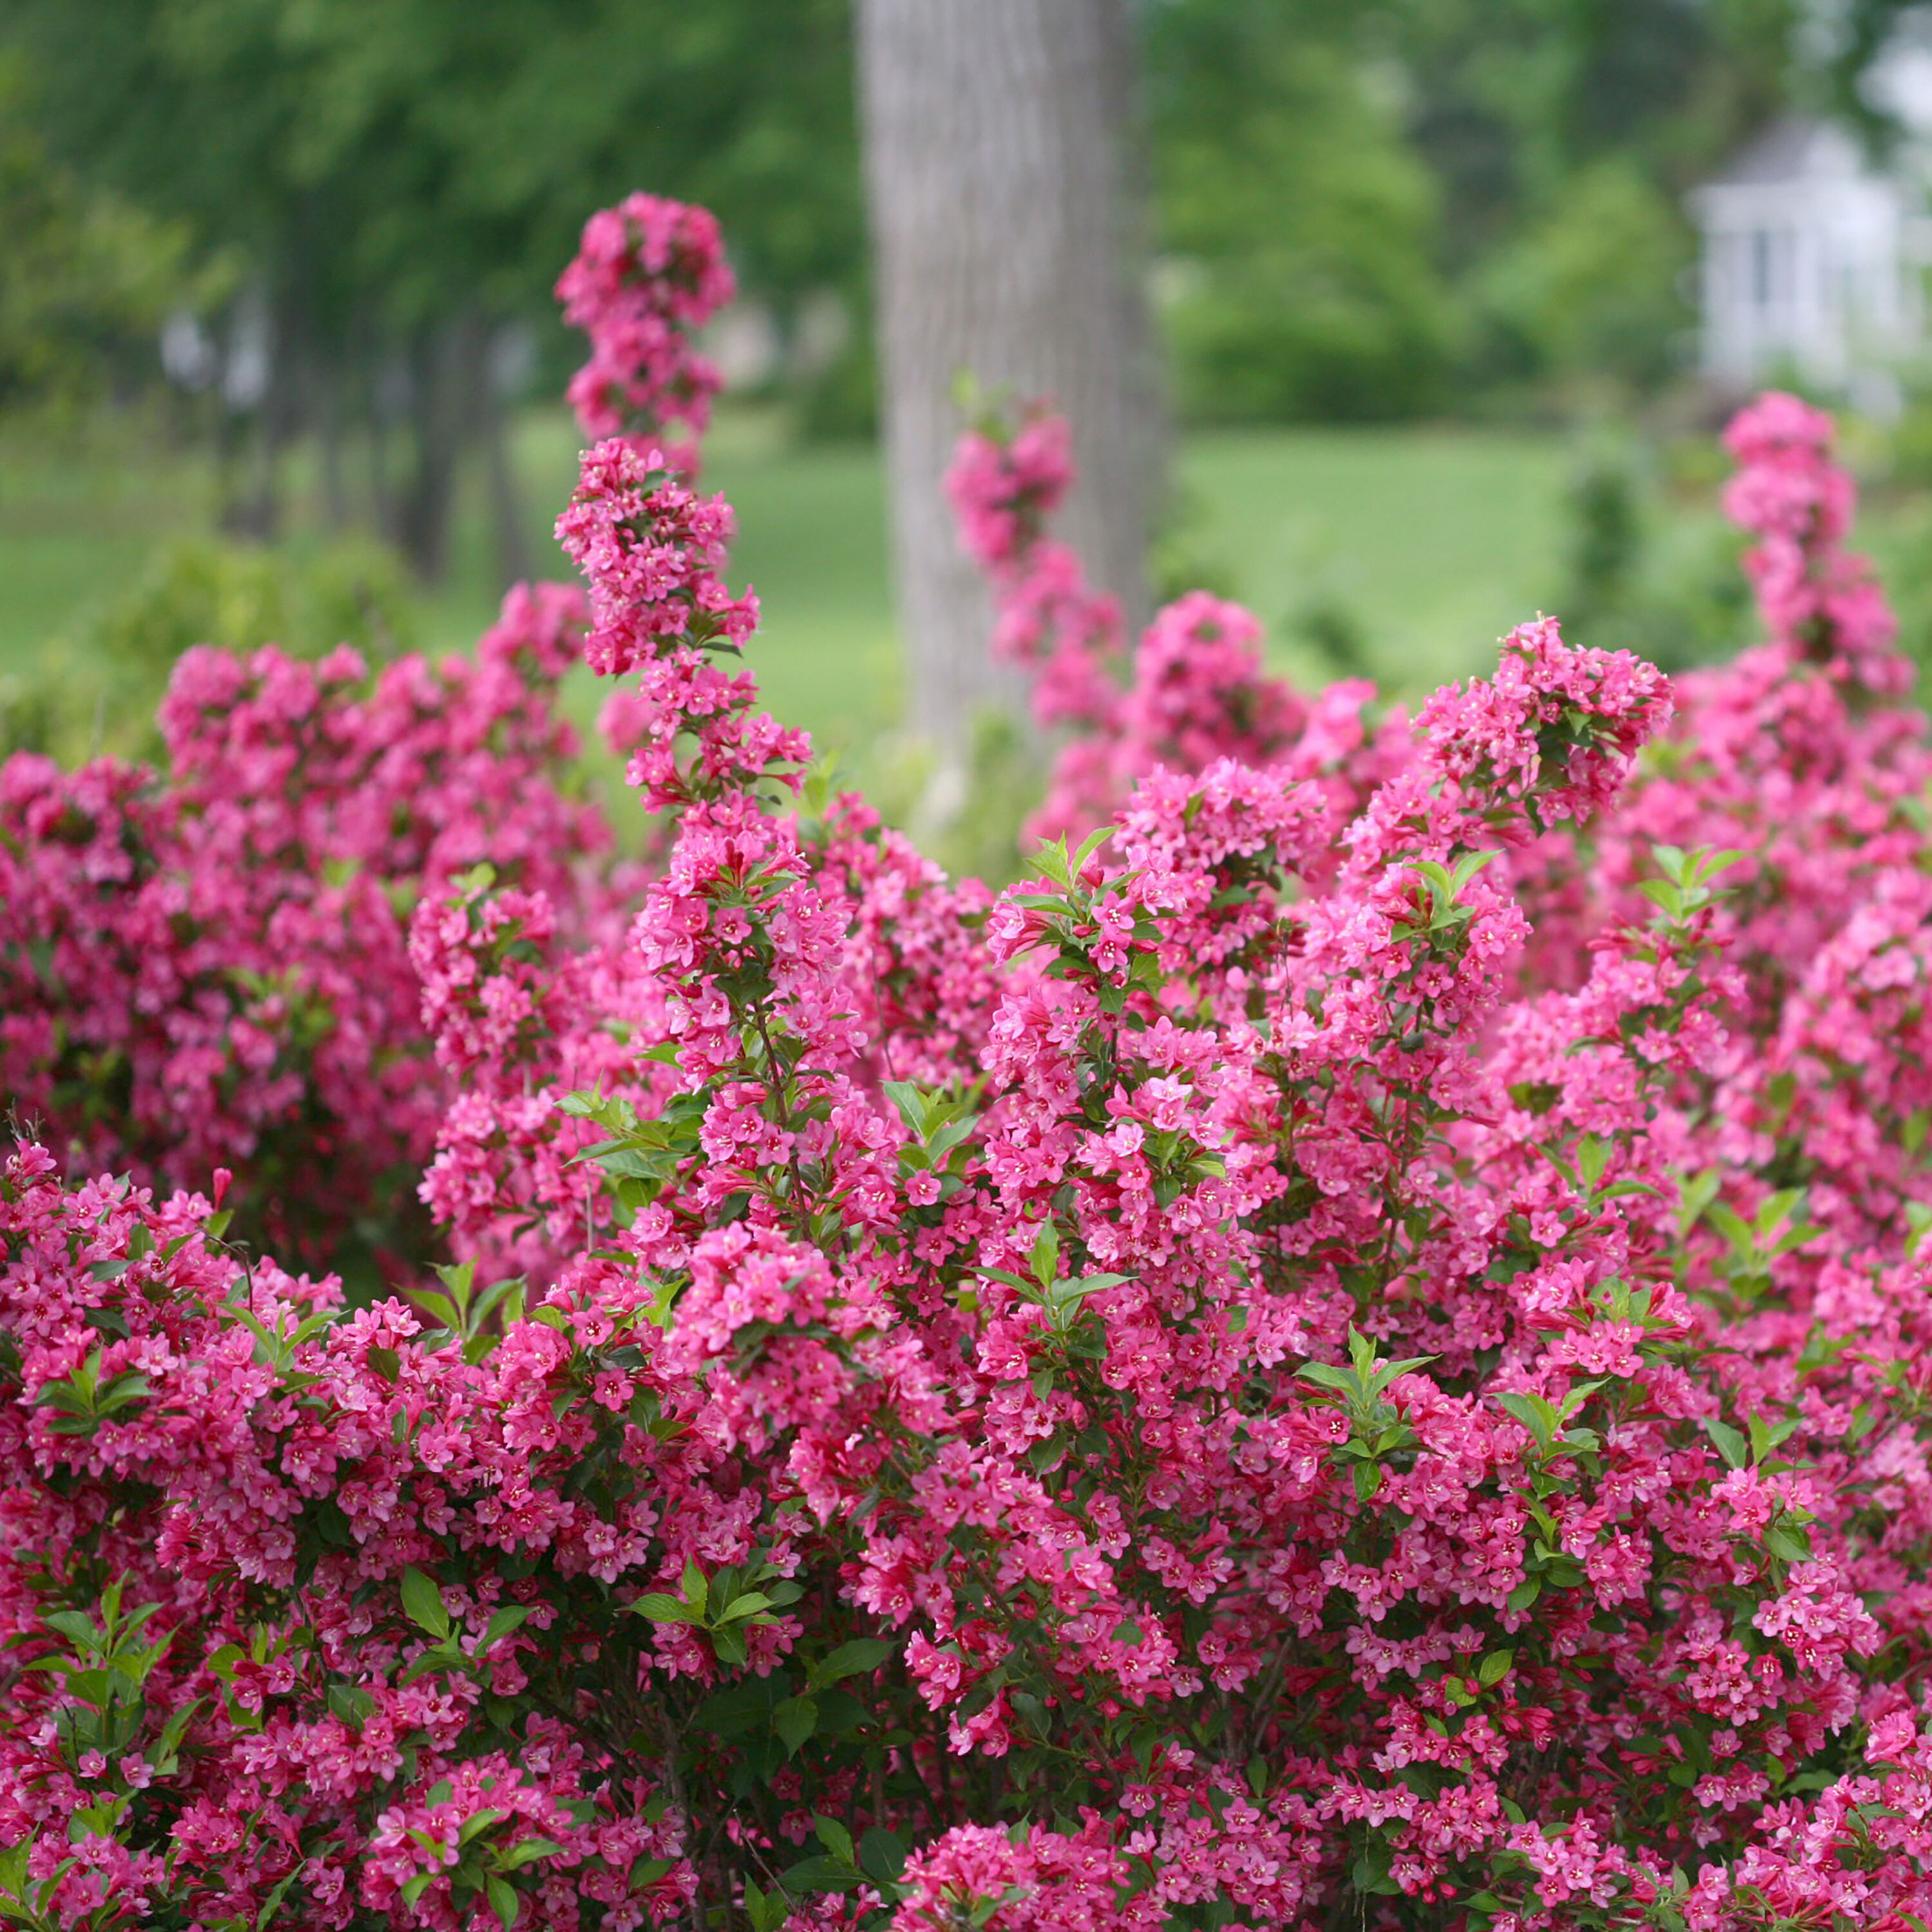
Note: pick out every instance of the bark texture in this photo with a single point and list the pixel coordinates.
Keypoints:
(1007, 243)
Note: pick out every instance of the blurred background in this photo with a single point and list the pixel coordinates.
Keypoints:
(1447, 298)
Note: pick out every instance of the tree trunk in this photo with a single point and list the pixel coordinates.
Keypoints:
(1007, 244)
(506, 498)
(328, 430)
(445, 400)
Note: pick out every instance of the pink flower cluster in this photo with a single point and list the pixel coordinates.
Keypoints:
(1798, 504)
(655, 552)
(649, 273)
(1194, 689)
(209, 965)
(1353, 1352)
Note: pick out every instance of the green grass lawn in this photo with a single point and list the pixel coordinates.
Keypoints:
(1431, 540)
(78, 519)
(1436, 541)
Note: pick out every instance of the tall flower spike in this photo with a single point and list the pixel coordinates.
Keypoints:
(650, 273)
(1814, 595)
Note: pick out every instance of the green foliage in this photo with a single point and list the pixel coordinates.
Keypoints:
(1607, 536)
(1377, 1429)
(398, 182)
(206, 590)
(85, 276)
(741, 1598)
(969, 821)
(1508, 100)
(1359, 209)
(1589, 288)
(396, 159)
(840, 403)
(1370, 210)
(241, 595)
(1296, 222)
(1639, 573)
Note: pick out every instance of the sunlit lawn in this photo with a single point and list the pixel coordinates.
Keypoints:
(1435, 541)
(1432, 541)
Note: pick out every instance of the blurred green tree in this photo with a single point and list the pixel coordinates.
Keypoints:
(1564, 134)
(404, 179)
(1295, 220)
(85, 276)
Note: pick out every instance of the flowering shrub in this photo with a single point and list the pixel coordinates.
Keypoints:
(1352, 1354)
(210, 967)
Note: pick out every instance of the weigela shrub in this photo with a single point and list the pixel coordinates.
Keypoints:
(1352, 1353)
(209, 965)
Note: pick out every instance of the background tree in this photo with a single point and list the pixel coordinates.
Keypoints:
(1562, 135)
(1006, 230)
(403, 178)
(85, 278)
(1295, 221)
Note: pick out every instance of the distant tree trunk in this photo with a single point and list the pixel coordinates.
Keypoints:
(329, 429)
(254, 510)
(1007, 242)
(506, 498)
(445, 399)
(385, 402)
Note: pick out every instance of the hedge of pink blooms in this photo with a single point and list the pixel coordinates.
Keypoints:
(213, 968)
(1353, 1354)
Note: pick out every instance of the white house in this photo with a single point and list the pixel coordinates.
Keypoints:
(1812, 263)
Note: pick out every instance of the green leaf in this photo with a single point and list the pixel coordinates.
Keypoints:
(1325, 1374)
(527, 1851)
(859, 1654)
(511, 1617)
(272, 1903)
(1470, 864)
(1494, 1667)
(835, 1836)
(423, 1602)
(910, 1100)
(1393, 1372)
(693, 1586)
(738, 1710)
(820, 1874)
(1533, 1413)
(882, 1856)
(76, 1626)
(352, 1704)
(1045, 1257)
(503, 1901)
(1371, 1872)
(458, 1277)
(1730, 1441)
(767, 1910)
(1088, 847)
(478, 1822)
(663, 1610)
(1593, 1157)
(793, 1721)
